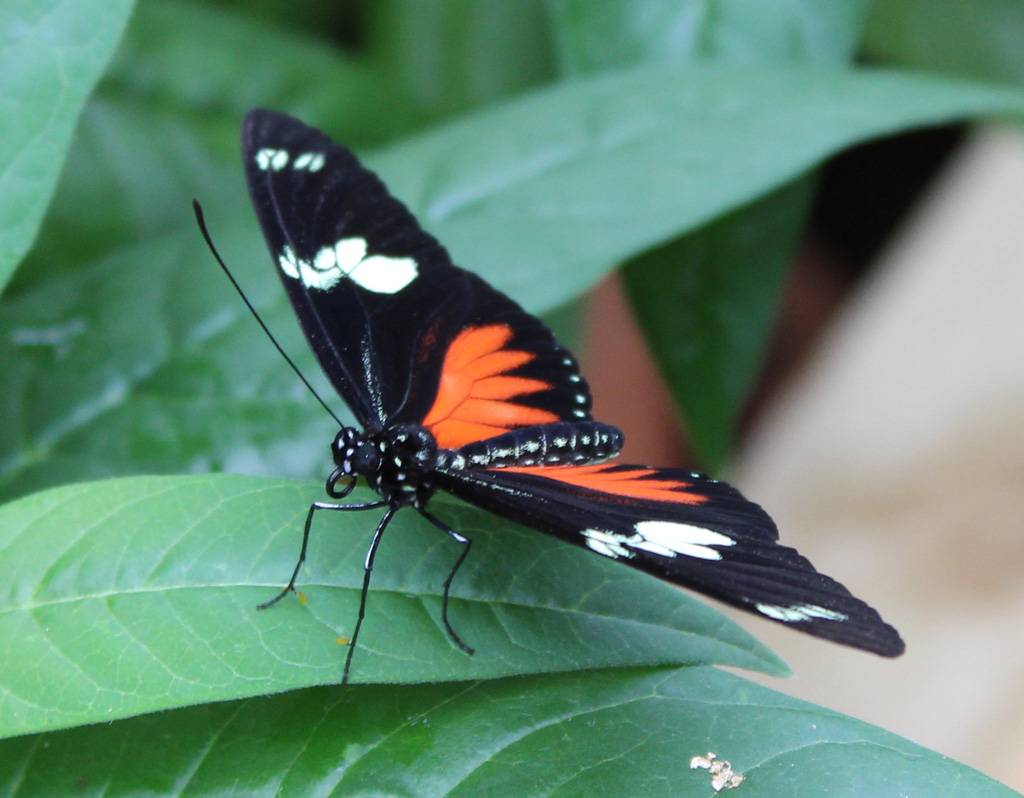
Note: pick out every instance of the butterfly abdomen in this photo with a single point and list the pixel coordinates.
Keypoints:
(559, 443)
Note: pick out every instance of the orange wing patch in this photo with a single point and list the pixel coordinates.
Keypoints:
(473, 397)
(609, 478)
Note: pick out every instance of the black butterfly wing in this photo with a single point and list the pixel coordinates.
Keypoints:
(684, 528)
(364, 279)
(404, 336)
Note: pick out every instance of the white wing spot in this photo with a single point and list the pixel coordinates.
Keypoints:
(325, 260)
(663, 538)
(348, 253)
(310, 161)
(347, 258)
(669, 538)
(274, 160)
(607, 544)
(288, 262)
(800, 612)
(384, 275)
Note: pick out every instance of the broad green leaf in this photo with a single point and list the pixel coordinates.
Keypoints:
(142, 359)
(544, 194)
(52, 52)
(594, 35)
(197, 60)
(598, 734)
(133, 595)
(982, 39)
(447, 58)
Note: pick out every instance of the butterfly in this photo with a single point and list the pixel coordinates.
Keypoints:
(456, 388)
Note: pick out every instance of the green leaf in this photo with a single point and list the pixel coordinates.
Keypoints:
(593, 35)
(51, 55)
(983, 39)
(544, 194)
(446, 58)
(139, 357)
(195, 58)
(614, 734)
(140, 594)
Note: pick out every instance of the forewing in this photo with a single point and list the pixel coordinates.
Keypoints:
(366, 282)
(686, 529)
(404, 336)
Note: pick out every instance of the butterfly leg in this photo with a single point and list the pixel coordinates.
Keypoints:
(290, 588)
(371, 554)
(466, 543)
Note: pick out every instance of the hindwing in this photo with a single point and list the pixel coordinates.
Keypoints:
(684, 528)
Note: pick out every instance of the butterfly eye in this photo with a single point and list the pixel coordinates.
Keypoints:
(366, 460)
(346, 443)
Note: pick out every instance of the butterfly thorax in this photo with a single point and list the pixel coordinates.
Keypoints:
(396, 462)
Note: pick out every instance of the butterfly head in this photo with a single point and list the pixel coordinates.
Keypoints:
(395, 462)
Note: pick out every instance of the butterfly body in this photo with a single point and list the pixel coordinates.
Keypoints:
(397, 462)
(456, 388)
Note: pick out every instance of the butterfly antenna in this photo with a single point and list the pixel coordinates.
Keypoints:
(209, 242)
